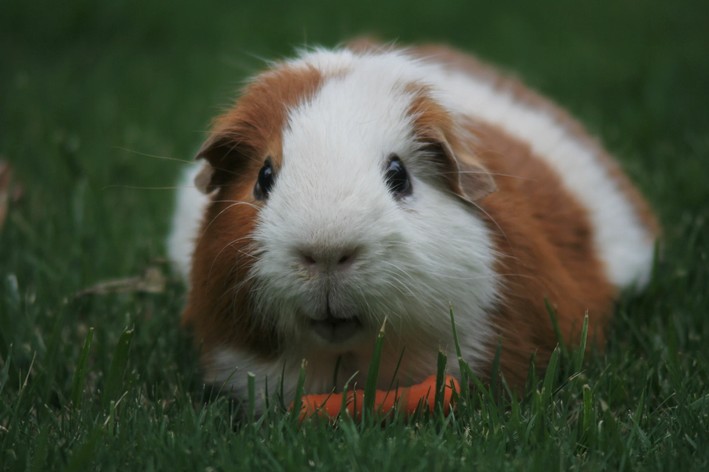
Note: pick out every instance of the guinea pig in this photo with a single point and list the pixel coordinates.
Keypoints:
(372, 185)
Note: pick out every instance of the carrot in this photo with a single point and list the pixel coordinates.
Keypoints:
(407, 399)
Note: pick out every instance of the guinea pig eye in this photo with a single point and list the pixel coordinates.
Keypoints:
(264, 181)
(397, 178)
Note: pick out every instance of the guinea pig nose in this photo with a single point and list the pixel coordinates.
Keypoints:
(328, 259)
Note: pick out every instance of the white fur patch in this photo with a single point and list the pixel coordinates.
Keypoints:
(623, 243)
(625, 246)
(415, 257)
(190, 206)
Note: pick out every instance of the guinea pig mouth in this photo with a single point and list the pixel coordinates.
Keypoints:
(336, 330)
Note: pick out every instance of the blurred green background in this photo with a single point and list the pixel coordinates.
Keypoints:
(87, 86)
(90, 90)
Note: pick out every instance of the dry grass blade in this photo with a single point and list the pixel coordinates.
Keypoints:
(153, 280)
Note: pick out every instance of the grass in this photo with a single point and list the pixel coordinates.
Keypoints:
(93, 380)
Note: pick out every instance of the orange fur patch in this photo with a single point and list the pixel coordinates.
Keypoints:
(457, 60)
(545, 240)
(218, 307)
(543, 235)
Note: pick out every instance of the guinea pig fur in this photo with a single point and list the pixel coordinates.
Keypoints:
(368, 183)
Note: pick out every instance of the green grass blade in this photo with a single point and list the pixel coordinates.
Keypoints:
(5, 372)
(469, 380)
(440, 377)
(113, 387)
(466, 374)
(77, 385)
(495, 372)
(370, 387)
(251, 388)
(345, 399)
(299, 390)
(336, 370)
(41, 450)
(555, 325)
(532, 373)
(458, 351)
(82, 454)
(588, 419)
(552, 371)
(581, 350)
(281, 388)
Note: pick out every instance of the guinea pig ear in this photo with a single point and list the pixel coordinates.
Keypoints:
(463, 172)
(203, 179)
(219, 152)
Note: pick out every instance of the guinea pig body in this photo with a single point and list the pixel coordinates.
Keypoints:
(364, 186)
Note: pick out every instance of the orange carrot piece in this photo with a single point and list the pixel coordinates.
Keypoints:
(407, 399)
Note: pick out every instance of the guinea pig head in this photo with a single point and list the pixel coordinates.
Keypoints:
(339, 201)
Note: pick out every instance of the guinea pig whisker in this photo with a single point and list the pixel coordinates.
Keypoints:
(233, 204)
(240, 202)
(400, 286)
(494, 174)
(368, 313)
(471, 277)
(483, 211)
(518, 275)
(398, 270)
(397, 275)
(489, 216)
(155, 156)
(228, 245)
(146, 187)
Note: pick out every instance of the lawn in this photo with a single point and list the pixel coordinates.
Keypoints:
(95, 372)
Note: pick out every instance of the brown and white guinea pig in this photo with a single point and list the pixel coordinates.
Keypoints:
(351, 186)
